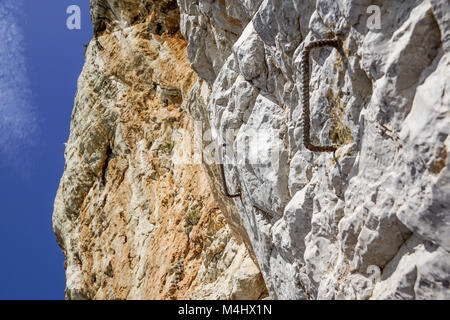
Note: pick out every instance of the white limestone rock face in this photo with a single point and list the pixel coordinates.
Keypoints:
(211, 28)
(371, 221)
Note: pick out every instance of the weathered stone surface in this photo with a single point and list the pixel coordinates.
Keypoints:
(134, 219)
(371, 221)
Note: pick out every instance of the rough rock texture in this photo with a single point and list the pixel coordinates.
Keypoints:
(370, 221)
(134, 214)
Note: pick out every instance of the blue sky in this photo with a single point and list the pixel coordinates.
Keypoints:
(40, 61)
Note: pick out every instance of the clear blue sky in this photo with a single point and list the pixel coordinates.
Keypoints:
(40, 61)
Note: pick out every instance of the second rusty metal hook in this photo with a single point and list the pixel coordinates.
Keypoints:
(239, 193)
(224, 180)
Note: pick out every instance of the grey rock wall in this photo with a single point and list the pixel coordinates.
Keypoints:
(372, 220)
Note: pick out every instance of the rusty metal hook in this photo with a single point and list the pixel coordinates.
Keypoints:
(305, 94)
